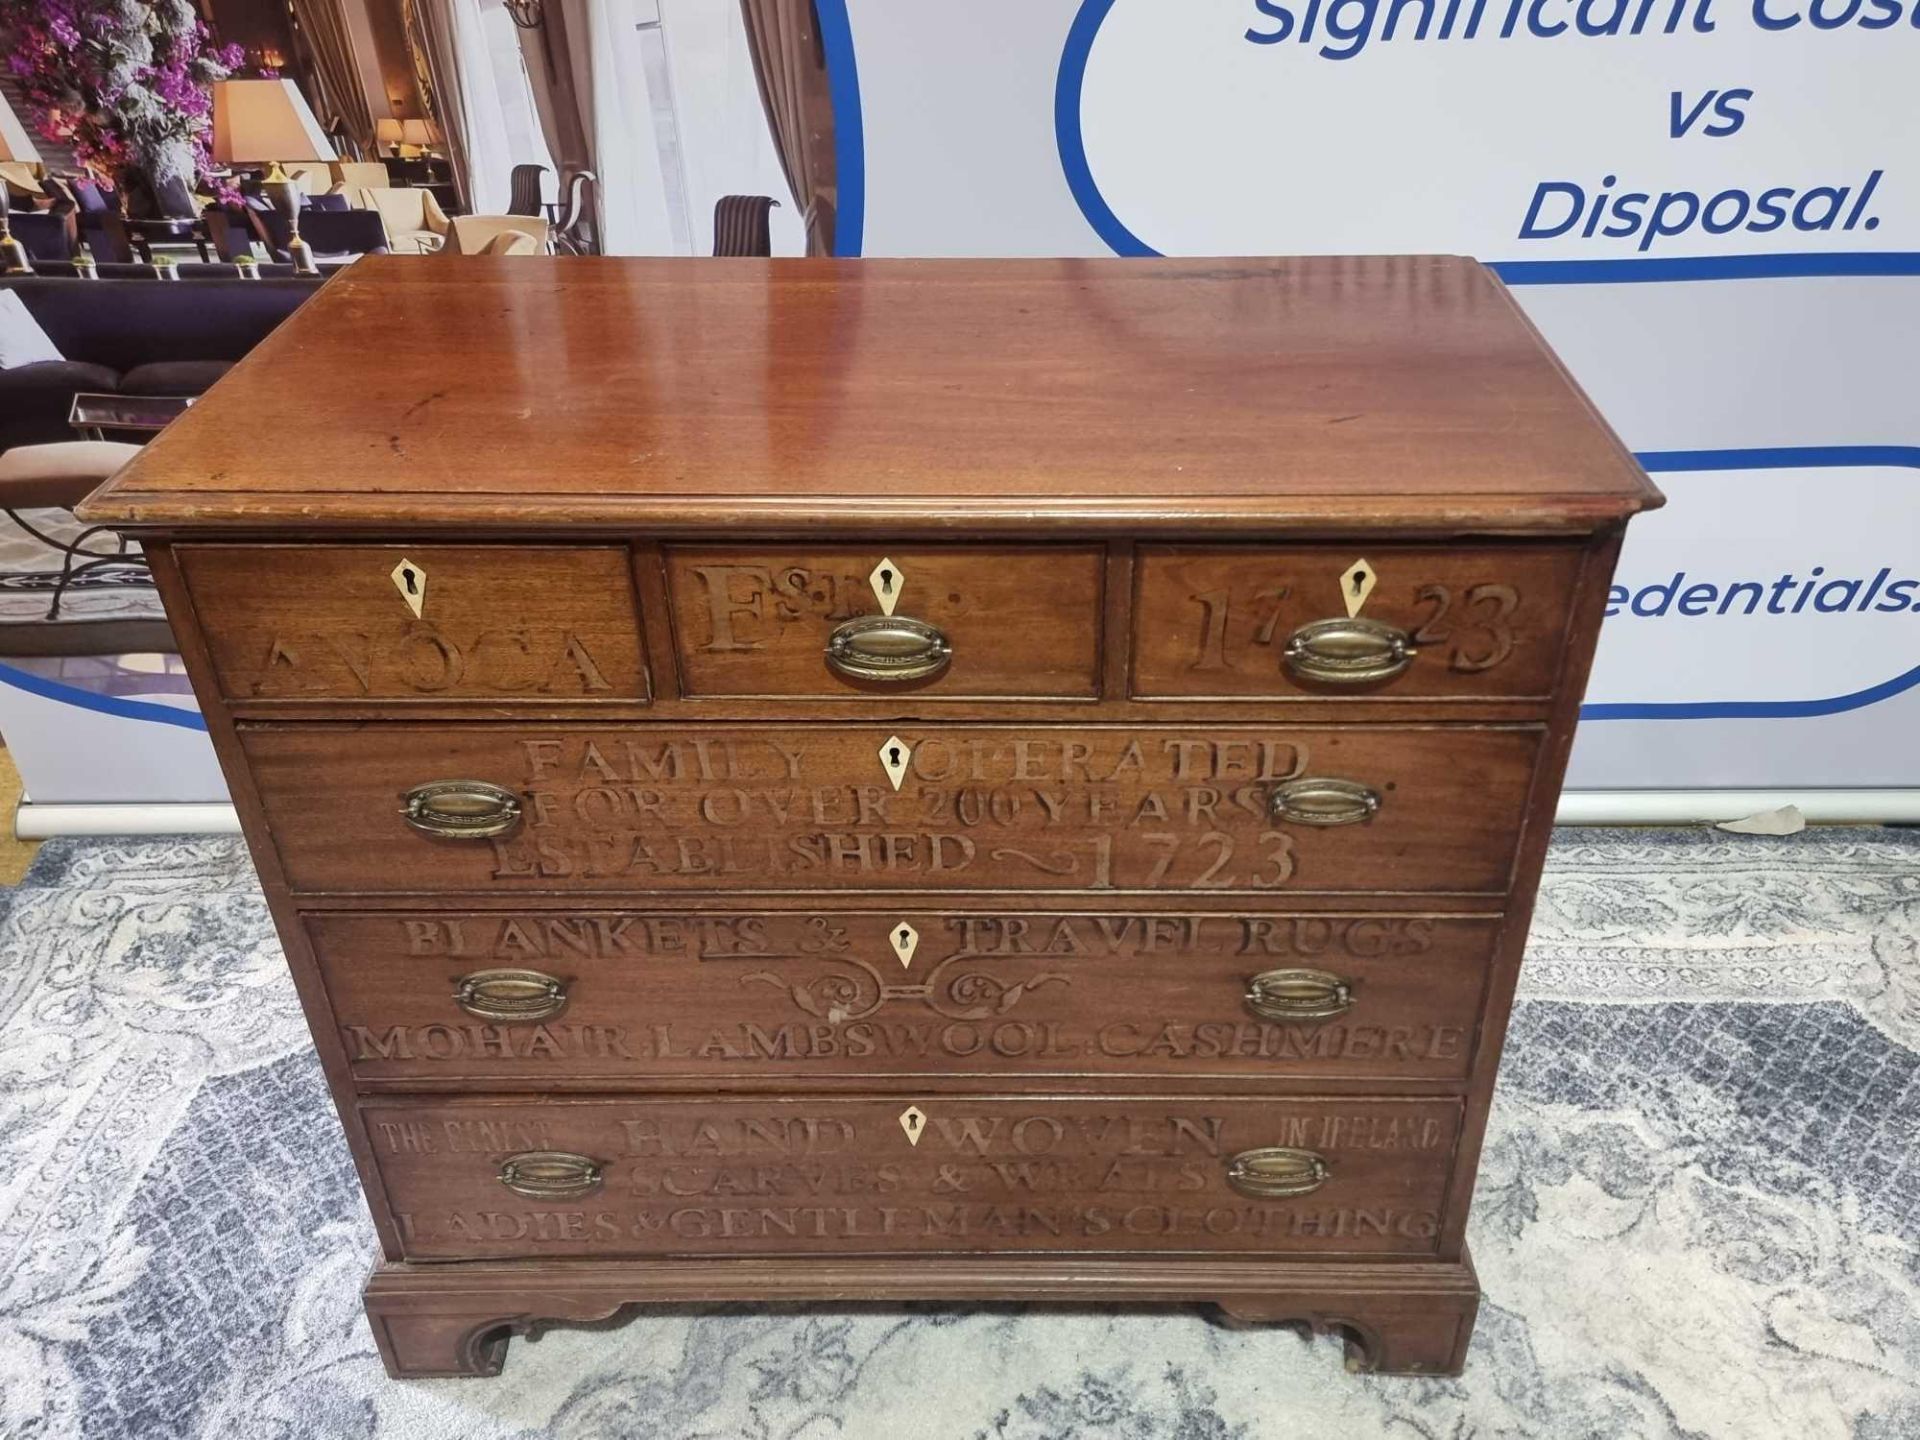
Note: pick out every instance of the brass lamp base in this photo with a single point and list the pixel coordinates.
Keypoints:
(284, 192)
(13, 255)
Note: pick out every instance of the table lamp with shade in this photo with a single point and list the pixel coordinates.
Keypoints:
(423, 135)
(387, 133)
(263, 122)
(14, 146)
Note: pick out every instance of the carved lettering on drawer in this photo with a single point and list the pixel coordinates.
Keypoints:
(982, 808)
(1486, 622)
(1087, 1175)
(1021, 621)
(812, 993)
(429, 660)
(533, 623)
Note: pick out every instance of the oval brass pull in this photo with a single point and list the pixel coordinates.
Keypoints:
(888, 648)
(461, 809)
(1298, 995)
(1348, 652)
(1277, 1172)
(550, 1174)
(1324, 802)
(510, 995)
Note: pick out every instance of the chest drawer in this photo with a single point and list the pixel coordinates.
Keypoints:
(766, 809)
(968, 621)
(1272, 622)
(618, 997)
(492, 622)
(613, 1177)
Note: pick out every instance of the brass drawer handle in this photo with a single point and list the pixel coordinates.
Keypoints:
(461, 809)
(1324, 802)
(888, 648)
(1348, 652)
(1298, 995)
(510, 995)
(550, 1174)
(1277, 1172)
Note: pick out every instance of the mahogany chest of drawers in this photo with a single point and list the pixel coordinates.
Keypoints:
(970, 780)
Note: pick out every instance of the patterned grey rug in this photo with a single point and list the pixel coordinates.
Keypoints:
(1698, 1215)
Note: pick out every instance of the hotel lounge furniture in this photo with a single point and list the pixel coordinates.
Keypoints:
(741, 225)
(59, 476)
(44, 235)
(93, 415)
(523, 190)
(414, 221)
(331, 235)
(808, 828)
(350, 175)
(578, 232)
(472, 234)
(133, 337)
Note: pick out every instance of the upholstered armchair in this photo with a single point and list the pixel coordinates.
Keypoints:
(352, 175)
(315, 177)
(483, 235)
(415, 222)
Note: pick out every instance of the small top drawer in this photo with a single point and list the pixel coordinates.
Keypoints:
(1016, 622)
(1277, 622)
(529, 623)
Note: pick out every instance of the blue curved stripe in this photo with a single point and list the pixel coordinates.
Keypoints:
(1757, 709)
(1070, 143)
(1653, 268)
(1631, 270)
(104, 704)
(1779, 457)
(849, 130)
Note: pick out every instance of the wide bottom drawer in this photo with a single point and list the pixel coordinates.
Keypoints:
(493, 1179)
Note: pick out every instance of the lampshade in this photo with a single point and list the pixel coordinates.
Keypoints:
(386, 131)
(260, 121)
(418, 132)
(14, 144)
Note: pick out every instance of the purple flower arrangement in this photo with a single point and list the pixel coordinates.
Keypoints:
(123, 82)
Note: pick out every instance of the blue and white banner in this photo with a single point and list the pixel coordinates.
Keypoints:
(1710, 207)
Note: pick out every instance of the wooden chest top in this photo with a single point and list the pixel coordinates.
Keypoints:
(1340, 393)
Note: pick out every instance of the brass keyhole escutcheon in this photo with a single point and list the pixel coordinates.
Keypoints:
(894, 755)
(914, 1122)
(411, 581)
(887, 581)
(905, 940)
(1357, 583)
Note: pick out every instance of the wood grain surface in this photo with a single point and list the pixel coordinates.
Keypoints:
(1213, 622)
(504, 623)
(778, 996)
(802, 809)
(823, 1176)
(1353, 391)
(1024, 621)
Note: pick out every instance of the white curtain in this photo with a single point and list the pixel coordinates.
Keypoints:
(489, 154)
(604, 53)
